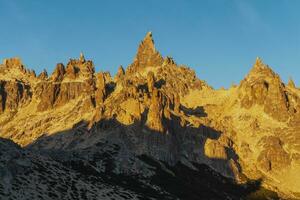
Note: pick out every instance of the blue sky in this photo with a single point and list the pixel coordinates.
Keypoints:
(220, 39)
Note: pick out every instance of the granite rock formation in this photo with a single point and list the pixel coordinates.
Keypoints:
(156, 118)
(263, 87)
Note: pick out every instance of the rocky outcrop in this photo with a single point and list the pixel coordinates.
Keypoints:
(213, 149)
(81, 58)
(150, 81)
(159, 109)
(120, 74)
(14, 94)
(177, 103)
(273, 157)
(291, 83)
(100, 92)
(66, 84)
(155, 113)
(71, 71)
(1, 103)
(263, 87)
(80, 68)
(69, 91)
(14, 63)
(59, 72)
(13, 69)
(47, 93)
(147, 55)
(43, 75)
(168, 61)
(58, 94)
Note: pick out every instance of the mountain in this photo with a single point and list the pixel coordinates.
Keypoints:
(154, 131)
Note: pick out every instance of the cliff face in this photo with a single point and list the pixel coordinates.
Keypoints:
(263, 87)
(146, 56)
(159, 109)
(13, 94)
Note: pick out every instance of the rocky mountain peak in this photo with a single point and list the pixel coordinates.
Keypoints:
(12, 62)
(81, 58)
(120, 73)
(58, 73)
(147, 55)
(80, 68)
(157, 109)
(13, 69)
(264, 87)
(148, 43)
(259, 63)
(261, 71)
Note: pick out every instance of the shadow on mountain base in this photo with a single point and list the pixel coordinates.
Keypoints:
(177, 181)
(204, 183)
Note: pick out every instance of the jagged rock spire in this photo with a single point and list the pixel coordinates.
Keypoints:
(168, 61)
(150, 81)
(147, 55)
(32, 73)
(43, 75)
(58, 73)
(12, 62)
(259, 65)
(147, 49)
(120, 73)
(80, 68)
(260, 69)
(155, 114)
(148, 43)
(81, 58)
(258, 62)
(16, 63)
(291, 83)
(262, 86)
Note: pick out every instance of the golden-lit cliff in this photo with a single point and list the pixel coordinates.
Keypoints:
(160, 109)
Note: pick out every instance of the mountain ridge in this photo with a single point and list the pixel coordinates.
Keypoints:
(160, 109)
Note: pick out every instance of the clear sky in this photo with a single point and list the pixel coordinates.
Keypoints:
(220, 39)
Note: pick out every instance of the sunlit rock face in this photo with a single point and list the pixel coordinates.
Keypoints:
(66, 84)
(273, 157)
(13, 95)
(154, 120)
(146, 56)
(263, 87)
(213, 149)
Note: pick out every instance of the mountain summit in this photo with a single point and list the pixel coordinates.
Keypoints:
(154, 131)
(260, 69)
(264, 87)
(147, 55)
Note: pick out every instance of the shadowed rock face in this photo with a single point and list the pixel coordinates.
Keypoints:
(57, 175)
(158, 115)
